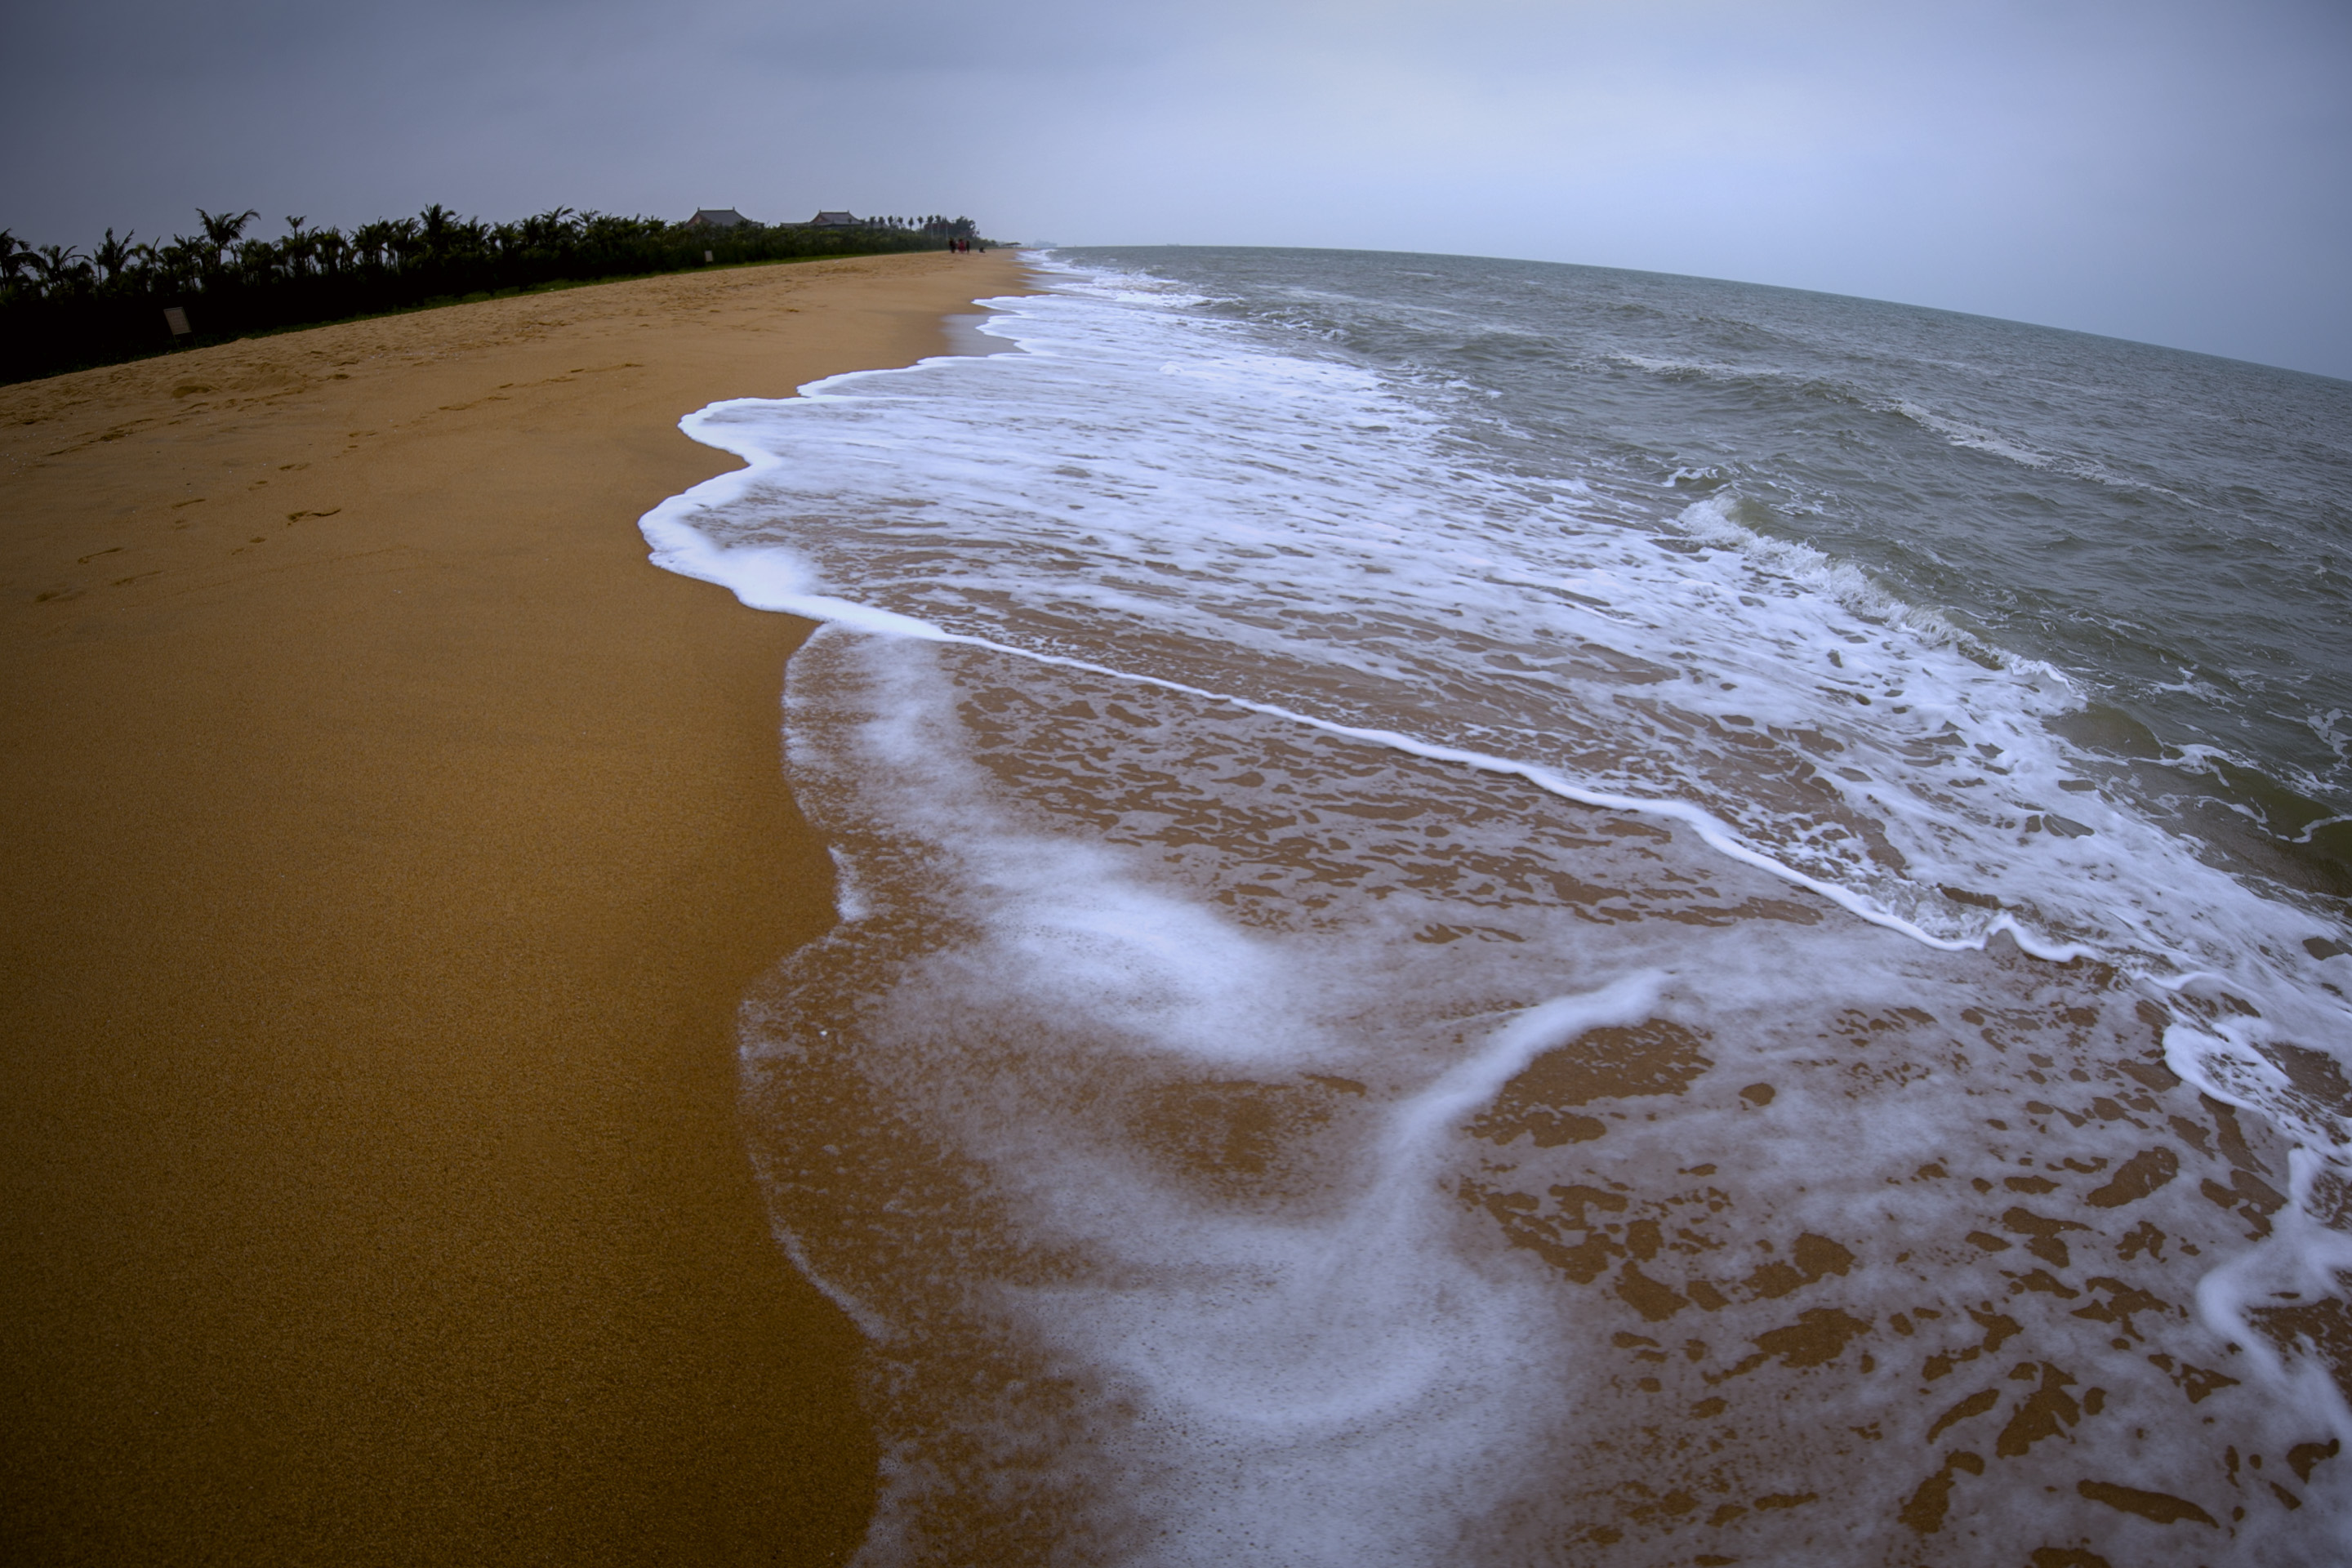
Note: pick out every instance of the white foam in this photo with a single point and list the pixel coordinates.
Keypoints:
(1346, 1392)
(1151, 491)
(1327, 1363)
(1151, 501)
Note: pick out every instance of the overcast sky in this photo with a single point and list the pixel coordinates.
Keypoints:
(2175, 170)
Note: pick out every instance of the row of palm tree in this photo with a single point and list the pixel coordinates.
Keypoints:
(936, 224)
(60, 307)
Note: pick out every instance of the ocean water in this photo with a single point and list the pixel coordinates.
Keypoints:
(1506, 913)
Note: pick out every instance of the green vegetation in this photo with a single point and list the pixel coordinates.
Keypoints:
(60, 310)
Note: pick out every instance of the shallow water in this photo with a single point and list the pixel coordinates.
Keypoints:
(1497, 913)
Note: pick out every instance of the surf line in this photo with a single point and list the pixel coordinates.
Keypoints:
(682, 549)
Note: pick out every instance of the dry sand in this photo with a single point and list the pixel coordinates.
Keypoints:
(388, 847)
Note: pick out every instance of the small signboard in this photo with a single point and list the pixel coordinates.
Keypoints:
(176, 319)
(708, 256)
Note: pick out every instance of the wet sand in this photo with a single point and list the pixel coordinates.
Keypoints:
(389, 847)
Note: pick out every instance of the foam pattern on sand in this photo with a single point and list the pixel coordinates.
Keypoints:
(1389, 1012)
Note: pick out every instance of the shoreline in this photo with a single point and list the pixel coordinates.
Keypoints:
(396, 845)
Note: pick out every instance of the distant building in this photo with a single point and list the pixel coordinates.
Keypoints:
(717, 218)
(833, 220)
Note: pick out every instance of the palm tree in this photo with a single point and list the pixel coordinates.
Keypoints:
(181, 264)
(61, 266)
(113, 254)
(374, 241)
(298, 251)
(224, 229)
(55, 294)
(434, 226)
(15, 257)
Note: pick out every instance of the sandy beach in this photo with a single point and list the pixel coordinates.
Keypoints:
(389, 847)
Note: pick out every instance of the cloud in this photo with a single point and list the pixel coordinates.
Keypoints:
(2169, 169)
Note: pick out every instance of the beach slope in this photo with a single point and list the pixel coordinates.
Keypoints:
(390, 846)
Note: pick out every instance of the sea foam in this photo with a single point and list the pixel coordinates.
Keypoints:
(1387, 1011)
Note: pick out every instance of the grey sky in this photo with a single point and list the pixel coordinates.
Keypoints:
(2177, 171)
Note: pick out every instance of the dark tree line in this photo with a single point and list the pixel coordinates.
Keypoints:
(61, 309)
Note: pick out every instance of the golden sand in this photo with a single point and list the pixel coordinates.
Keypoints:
(388, 847)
